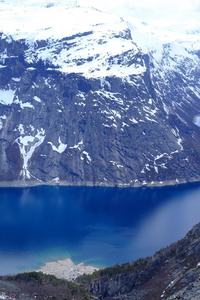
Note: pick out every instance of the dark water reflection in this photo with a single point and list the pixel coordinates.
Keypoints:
(102, 226)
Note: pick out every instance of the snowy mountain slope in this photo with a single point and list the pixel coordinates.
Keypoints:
(83, 40)
(87, 98)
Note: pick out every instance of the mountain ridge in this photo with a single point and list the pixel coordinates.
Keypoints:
(89, 105)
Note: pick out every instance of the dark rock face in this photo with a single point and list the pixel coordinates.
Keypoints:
(114, 131)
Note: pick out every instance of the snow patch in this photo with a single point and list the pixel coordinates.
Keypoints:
(156, 169)
(151, 120)
(147, 167)
(179, 142)
(1, 122)
(57, 179)
(23, 105)
(27, 145)
(110, 96)
(61, 147)
(105, 83)
(124, 124)
(160, 156)
(81, 95)
(166, 108)
(88, 158)
(26, 105)
(163, 294)
(150, 101)
(78, 146)
(16, 79)
(134, 121)
(116, 113)
(37, 99)
(179, 139)
(32, 127)
(98, 46)
(21, 129)
(116, 164)
(3, 296)
(161, 164)
(196, 120)
(82, 103)
(7, 97)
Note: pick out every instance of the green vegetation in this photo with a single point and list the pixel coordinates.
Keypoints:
(38, 278)
(136, 267)
(30, 277)
(57, 288)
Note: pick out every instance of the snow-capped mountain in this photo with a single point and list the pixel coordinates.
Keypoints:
(89, 98)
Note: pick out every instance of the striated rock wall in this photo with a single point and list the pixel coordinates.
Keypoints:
(75, 112)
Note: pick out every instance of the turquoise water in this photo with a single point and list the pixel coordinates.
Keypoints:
(101, 226)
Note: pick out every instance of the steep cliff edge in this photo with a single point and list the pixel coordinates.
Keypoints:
(81, 103)
(172, 273)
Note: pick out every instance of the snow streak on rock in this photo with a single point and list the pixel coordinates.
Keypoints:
(27, 145)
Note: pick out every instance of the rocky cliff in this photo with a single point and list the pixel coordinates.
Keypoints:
(172, 273)
(82, 102)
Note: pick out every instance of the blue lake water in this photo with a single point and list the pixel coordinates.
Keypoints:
(101, 226)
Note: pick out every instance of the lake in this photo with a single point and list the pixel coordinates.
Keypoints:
(101, 226)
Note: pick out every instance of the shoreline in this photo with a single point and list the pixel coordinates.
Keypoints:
(22, 184)
(66, 269)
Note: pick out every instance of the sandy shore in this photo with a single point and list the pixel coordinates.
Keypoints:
(66, 269)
